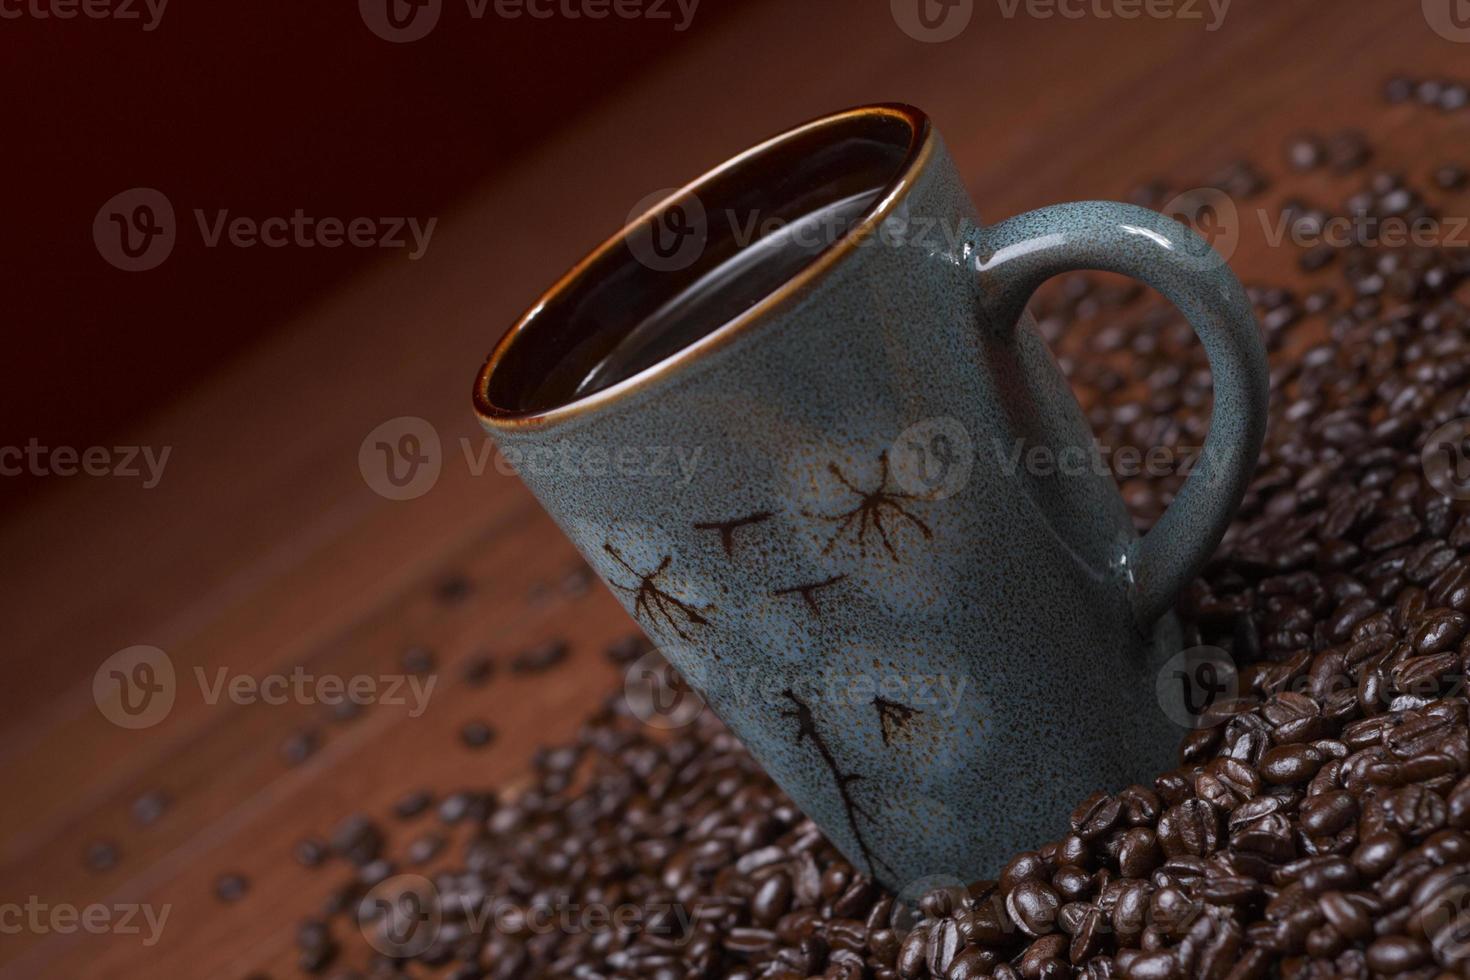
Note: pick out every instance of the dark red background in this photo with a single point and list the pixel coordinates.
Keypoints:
(259, 108)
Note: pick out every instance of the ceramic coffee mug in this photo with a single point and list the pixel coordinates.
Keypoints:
(798, 419)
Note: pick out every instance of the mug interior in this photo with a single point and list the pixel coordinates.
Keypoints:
(701, 258)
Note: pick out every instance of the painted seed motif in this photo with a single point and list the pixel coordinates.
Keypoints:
(806, 728)
(893, 718)
(809, 591)
(879, 510)
(727, 528)
(652, 603)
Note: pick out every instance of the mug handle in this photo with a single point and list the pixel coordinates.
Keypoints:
(1016, 256)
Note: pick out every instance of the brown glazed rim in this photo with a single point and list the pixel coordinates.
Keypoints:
(921, 140)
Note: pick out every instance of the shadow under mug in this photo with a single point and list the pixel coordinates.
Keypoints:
(791, 415)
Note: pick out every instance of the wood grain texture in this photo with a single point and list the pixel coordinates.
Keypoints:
(264, 548)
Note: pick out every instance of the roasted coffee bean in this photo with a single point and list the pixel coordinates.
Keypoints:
(625, 651)
(300, 746)
(101, 855)
(539, 658)
(478, 670)
(476, 734)
(1287, 764)
(1033, 906)
(230, 887)
(1037, 959)
(1139, 853)
(1397, 954)
(1096, 816)
(148, 808)
(425, 848)
(310, 852)
(412, 804)
(1191, 829)
(1378, 852)
(357, 839)
(418, 659)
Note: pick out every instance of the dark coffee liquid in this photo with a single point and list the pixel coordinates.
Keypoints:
(765, 220)
(772, 257)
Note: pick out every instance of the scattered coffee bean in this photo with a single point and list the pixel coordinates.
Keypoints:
(1398, 89)
(627, 650)
(476, 734)
(425, 848)
(101, 855)
(418, 659)
(453, 589)
(300, 746)
(1305, 152)
(1450, 177)
(577, 582)
(149, 808)
(310, 852)
(344, 710)
(541, 657)
(412, 804)
(231, 887)
(357, 839)
(478, 670)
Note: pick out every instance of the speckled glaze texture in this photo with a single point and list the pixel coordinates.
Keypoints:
(936, 677)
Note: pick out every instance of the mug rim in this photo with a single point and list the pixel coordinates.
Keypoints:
(915, 156)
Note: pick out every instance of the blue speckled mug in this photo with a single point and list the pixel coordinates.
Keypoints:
(787, 415)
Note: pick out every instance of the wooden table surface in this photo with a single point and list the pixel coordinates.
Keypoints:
(264, 547)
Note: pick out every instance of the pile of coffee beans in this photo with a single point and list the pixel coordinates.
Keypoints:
(1318, 824)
